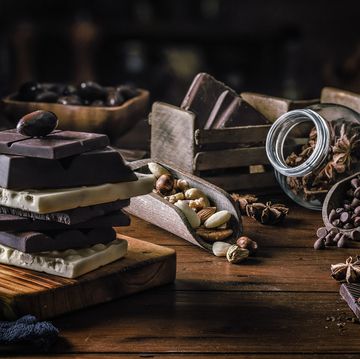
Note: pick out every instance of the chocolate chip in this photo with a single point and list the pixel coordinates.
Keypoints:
(343, 242)
(355, 235)
(319, 244)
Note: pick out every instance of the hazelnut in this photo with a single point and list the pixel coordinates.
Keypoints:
(165, 184)
(247, 243)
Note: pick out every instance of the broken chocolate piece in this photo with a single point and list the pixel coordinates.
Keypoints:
(33, 242)
(58, 144)
(351, 294)
(9, 222)
(217, 105)
(86, 169)
(72, 216)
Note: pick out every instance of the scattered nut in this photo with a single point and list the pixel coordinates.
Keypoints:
(220, 249)
(236, 254)
(205, 213)
(214, 234)
(194, 193)
(157, 170)
(175, 197)
(217, 219)
(165, 184)
(181, 185)
(191, 216)
(199, 203)
(247, 243)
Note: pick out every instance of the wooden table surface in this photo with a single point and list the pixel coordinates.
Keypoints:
(276, 305)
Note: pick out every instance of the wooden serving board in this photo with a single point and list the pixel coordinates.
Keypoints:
(23, 291)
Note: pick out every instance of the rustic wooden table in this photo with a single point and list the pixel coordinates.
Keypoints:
(280, 304)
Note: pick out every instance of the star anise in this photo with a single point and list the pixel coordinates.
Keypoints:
(343, 149)
(267, 213)
(243, 200)
(346, 272)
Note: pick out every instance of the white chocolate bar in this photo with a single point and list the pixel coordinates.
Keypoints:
(55, 200)
(70, 263)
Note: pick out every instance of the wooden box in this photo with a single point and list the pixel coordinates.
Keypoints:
(231, 158)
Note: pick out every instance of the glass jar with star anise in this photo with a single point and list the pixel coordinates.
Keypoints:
(313, 148)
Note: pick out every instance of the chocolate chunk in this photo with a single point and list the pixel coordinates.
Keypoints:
(58, 144)
(351, 294)
(87, 169)
(32, 242)
(319, 244)
(217, 105)
(71, 216)
(9, 222)
(343, 241)
(322, 232)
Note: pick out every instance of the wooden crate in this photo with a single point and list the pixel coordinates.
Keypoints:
(231, 158)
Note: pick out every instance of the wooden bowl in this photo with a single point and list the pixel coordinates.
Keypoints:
(334, 199)
(156, 210)
(113, 121)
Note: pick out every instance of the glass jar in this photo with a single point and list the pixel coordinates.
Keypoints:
(313, 148)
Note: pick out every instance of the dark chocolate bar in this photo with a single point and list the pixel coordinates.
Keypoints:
(86, 169)
(32, 242)
(9, 222)
(59, 144)
(71, 216)
(351, 294)
(217, 105)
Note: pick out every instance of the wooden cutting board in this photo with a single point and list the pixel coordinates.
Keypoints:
(27, 292)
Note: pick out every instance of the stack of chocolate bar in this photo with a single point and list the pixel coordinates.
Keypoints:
(60, 196)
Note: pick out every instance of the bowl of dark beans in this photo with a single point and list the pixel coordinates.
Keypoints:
(87, 107)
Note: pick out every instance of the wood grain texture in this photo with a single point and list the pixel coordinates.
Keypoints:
(236, 157)
(156, 210)
(247, 182)
(273, 107)
(113, 121)
(23, 291)
(232, 135)
(341, 97)
(172, 135)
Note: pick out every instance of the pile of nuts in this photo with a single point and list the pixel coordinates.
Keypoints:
(211, 225)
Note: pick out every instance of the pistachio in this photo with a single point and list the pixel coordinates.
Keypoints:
(205, 213)
(157, 170)
(236, 254)
(220, 248)
(217, 219)
(199, 203)
(247, 243)
(194, 193)
(181, 185)
(191, 216)
(165, 184)
(214, 234)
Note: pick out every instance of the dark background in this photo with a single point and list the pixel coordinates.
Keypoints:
(284, 48)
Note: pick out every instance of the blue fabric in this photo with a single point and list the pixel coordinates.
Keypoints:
(28, 330)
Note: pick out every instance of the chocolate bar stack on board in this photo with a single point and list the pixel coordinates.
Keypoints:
(60, 196)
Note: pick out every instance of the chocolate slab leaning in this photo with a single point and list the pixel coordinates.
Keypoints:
(217, 105)
(86, 169)
(72, 216)
(58, 144)
(351, 295)
(33, 242)
(9, 222)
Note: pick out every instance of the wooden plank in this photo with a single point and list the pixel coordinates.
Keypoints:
(231, 158)
(341, 97)
(145, 266)
(237, 135)
(244, 182)
(210, 322)
(172, 135)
